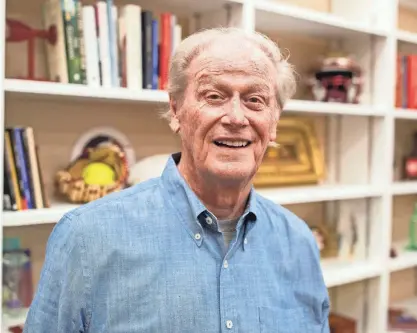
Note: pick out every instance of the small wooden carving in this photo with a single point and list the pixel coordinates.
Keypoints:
(327, 240)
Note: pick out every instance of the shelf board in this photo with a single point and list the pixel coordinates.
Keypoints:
(339, 272)
(275, 16)
(333, 108)
(74, 92)
(9, 321)
(82, 92)
(299, 194)
(36, 216)
(184, 7)
(404, 187)
(407, 37)
(405, 113)
(305, 194)
(405, 259)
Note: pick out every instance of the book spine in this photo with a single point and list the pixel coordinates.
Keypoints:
(412, 81)
(103, 30)
(7, 198)
(146, 50)
(8, 146)
(122, 48)
(91, 46)
(34, 167)
(8, 180)
(404, 64)
(165, 50)
(113, 52)
(398, 83)
(28, 169)
(55, 54)
(155, 55)
(72, 41)
(21, 163)
(132, 23)
(80, 40)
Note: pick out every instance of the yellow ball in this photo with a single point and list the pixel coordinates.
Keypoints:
(98, 173)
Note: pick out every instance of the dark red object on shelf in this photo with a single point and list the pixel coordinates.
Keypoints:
(17, 31)
(16, 329)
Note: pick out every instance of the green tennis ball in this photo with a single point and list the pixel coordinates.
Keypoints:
(98, 173)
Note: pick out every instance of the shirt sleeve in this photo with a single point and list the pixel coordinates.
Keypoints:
(316, 294)
(60, 302)
(322, 292)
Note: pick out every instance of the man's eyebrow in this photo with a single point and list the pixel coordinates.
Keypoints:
(249, 86)
(208, 79)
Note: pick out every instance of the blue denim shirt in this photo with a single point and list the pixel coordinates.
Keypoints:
(150, 259)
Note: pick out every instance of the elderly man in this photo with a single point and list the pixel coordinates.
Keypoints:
(197, 249)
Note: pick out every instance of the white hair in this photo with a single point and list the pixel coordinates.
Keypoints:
(193, 45)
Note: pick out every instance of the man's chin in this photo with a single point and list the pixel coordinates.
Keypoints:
(231, 173)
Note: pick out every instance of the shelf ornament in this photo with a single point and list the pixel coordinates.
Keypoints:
(96, 172)
(336, 78)
(17, 31)
(327, 240)
(297, 158)
(412, 237)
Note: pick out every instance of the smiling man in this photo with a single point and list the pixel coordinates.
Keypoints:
(197, 249)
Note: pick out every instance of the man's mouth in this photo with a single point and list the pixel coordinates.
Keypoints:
(232, 143)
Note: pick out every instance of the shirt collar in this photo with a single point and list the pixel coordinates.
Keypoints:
(189, 207)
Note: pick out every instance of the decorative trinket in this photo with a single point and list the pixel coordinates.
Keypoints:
(336, 79)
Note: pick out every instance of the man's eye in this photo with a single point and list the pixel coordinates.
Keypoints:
(255, 100)
(213, 96)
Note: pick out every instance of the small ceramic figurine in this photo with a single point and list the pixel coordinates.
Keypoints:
(336, 79)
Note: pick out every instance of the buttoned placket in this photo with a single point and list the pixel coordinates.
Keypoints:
(227, 294)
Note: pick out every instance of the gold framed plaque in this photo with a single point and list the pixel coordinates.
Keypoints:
(297, 159)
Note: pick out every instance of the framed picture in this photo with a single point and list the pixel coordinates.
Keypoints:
(297, 159)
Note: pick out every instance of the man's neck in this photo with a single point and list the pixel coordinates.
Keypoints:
(223, 200)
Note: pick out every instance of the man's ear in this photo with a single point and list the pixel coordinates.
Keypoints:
(174, 122)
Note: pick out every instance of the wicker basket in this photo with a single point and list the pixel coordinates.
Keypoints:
(71, 184)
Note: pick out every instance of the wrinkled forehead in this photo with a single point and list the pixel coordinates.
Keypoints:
(226, 56)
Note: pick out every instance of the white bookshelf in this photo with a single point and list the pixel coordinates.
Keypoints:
(360, 141)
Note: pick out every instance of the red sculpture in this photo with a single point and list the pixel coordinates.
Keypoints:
(17, 31)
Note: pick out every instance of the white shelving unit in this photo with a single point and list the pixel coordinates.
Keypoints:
(359, 140)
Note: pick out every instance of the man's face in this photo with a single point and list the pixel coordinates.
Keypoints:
(229, 112)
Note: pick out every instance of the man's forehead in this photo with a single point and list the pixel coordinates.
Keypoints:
(234, 50)
(225, 78)
(226, 60)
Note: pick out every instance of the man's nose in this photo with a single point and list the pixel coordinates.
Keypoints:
(236, 115)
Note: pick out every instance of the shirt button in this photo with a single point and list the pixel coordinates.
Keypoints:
(197, 236)
(245, 241)
(229, 324)
(225, 264)
(209, 220)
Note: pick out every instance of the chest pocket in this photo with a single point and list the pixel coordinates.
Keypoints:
(281, 320)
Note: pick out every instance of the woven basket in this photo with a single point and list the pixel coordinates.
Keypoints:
(71, 184)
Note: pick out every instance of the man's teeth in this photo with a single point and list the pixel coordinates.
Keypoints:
(233, 143)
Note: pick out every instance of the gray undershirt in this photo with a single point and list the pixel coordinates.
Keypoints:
(228, 229)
